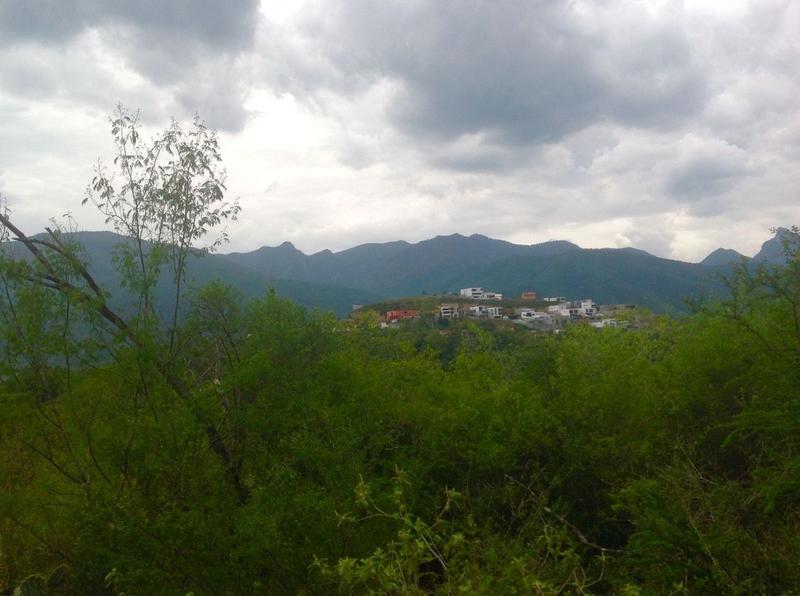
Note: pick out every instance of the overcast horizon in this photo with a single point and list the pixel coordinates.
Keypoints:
(673, 127)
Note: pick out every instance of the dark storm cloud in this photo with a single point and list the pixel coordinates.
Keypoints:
(701, 171)
(518, 72)
(223, 25)
(703, 178)
(46, 20)
(190, 48)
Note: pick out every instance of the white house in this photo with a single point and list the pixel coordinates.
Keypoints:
(448, 311)
(494, 312)
(578, 308)
(528, 314)
(479, 310)
(474, 293)
(479, 294)
(587, 307)
(565, 309)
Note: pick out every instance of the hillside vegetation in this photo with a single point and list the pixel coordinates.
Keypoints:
(415, 460)
(446, 264)
(99, 249)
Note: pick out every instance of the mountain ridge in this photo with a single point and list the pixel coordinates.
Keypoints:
(441, 265)
(98, 249)
(444, 264)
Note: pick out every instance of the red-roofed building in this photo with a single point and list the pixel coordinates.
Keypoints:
(397, 315)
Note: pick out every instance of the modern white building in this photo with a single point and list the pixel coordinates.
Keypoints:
(474, 293)
(528, 314)
(448, 311)
(479, 294)
(588, 307)
(578, 308)
(492, 312)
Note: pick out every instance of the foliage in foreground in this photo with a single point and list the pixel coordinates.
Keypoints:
(416, 461)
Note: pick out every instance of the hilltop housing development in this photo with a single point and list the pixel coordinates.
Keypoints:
(548, 313)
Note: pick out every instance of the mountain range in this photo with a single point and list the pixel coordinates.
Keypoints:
(444, 264)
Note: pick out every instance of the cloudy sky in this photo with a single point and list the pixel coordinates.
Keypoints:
(670, 126)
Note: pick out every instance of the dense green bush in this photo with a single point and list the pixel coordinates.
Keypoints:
(604, 461)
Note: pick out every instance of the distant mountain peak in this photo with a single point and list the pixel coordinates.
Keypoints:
(772, 250)
(553, 247)
(555, 241)
(455, 236)
(722, 256)
(284, 247)
(633, 249)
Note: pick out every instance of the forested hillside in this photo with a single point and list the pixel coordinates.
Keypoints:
(366, 274)
(447, 263)
(98, 249)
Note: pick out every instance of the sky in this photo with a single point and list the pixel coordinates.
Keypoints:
(669, 126)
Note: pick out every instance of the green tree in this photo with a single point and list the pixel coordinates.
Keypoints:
(171, 196)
